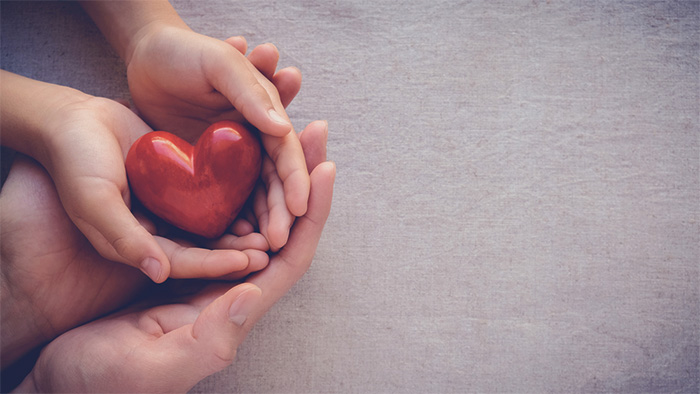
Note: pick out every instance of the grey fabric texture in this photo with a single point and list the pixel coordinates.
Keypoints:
(518, 192)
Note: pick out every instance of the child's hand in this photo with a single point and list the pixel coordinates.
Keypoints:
(182, 81)
(193, 103)
(82, 141)
(73, 136)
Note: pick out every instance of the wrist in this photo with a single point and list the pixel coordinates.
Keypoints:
(125, 23)
(26, 111)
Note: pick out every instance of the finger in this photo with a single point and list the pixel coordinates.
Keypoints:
(248, 91)
(287, 154)
(146, 222)
(242, 227)
(192, 262)
(279, 219)
(260, 209)
(215, 335)
(265, 57)
(258, 261)
(238, 42)
(295, 258)
(313, 140)
(115, 233)
(249, 241)
(288, 83)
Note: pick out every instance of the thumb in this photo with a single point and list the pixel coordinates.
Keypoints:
(248, 90)
(106, 221)
(221, 327)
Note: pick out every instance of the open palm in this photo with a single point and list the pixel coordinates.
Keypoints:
(53, 278)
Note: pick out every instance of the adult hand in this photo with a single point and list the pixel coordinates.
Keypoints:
(54, 280)
(170, 347)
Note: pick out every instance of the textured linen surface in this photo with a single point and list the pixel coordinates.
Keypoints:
(517, 200)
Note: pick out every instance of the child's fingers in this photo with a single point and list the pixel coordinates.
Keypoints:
(265, 57)
(258, 100)
(258, 261)
(250, 240)
(288, 83)
(192, 262)
(279, 218)
(115, 233)
(295, 258)
(242, 226)
(313, 140)
(288, 156)
(274, 216)
(238, 42)
(248, 91)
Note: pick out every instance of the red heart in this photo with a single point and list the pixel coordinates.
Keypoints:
(199, 188)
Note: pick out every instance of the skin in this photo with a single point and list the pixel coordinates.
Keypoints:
(82, 141)
(166, 342)
(71, 219)
(215, 82)
(64, 129)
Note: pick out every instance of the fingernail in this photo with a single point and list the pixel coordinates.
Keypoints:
(277, 118)
(243, 306)
(151, 267)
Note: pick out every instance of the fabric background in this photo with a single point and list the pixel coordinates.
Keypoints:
(518, 191)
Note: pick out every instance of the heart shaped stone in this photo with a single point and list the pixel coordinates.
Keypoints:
(202, 188)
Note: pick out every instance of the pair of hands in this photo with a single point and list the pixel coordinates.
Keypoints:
(90, 137)
(165, 342)
(60, 248)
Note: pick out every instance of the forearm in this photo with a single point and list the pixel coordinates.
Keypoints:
(26, 107)
(123, 22)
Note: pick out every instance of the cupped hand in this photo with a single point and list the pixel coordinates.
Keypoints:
(87, 146)
(54, 280)
(182, 81)
(170, 347)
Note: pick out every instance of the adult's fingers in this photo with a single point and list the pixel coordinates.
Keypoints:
(222, 325)
(314, 139)
(294, 259)
(209, 345)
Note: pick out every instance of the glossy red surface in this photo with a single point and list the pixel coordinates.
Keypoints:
(198, 188)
